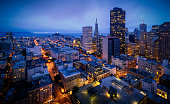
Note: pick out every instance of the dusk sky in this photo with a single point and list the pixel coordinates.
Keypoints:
(72, 15)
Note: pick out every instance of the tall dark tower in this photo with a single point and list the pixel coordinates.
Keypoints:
(164, 41)
(117, 26)
(143, 27)
(143, 39)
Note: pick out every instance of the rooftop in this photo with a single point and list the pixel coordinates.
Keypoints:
(148, 80)
(42, 81)
(131, 79)
(126, 95)
(142, 73)
(69, 72)
(125, 57)
(83, 61)
(164, 88)
(110, 66)
(19, 64)
(99, 94)
(165, 77)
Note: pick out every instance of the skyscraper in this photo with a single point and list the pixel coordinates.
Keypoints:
(153, 43)
(136, 31)
(117, 26)
(95, 39)
(143, 38)
(143, 27)
(87, 38)
(111, 47)
(99, 45)
(96, 32)
(164, 41)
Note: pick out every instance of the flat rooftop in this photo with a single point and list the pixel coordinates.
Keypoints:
(126, 95)
(69, 72)
(148, 80)
(40, 82)
(125, 57)
(99, 94)
(142, 73)
(131, 79)
(110, 66)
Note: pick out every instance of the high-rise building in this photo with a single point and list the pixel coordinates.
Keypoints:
(132, 38)
(143, 38)
(99, 45)
(95, 39)
(164, 41)
(111, 47)
(96, 32)
(143, 27)
(136, 31)
(155, 30)
(152, 43)
(117, 26)
(87, 39)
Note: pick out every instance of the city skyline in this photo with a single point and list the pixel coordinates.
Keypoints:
(71, 16)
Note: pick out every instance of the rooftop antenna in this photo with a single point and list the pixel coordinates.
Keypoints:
(142, 21)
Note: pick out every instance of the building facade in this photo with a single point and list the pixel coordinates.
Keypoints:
(149, 66)
(111, 47)
(164, 41)
(117, 26)
(87, 38)
(149, 85)
(96, 33)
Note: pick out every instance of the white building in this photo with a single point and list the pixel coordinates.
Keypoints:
(64, 65)
(37, 50)
(65, 54)
(149, 66)
(87, 38)
(111, 68)
(149, 85)
(70, 78)
(36, 71)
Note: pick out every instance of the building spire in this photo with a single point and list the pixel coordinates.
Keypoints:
(142, 21)
(96, 20)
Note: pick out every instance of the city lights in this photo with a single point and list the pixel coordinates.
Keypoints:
(77, 52)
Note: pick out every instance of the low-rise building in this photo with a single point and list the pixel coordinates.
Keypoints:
(111, 90)
(132, 81)
(163, 92)
(149, 66)
(111, 68)
(3, 64)
(41, 90)
(166, 67)
(141, 74)
(124, 61)
(64, 54)
(18, 71)
(34, 72)
(71, 78)
(149, 85)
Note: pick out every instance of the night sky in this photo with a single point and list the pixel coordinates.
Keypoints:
(72, 15)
